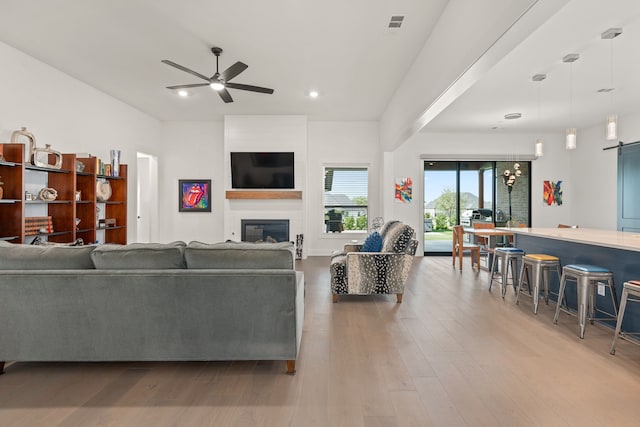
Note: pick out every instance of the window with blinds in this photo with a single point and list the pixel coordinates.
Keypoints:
(346, 194)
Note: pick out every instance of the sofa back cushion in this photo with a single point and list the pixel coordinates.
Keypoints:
(139, 256)
(398, 238)
(33, 257)
(235, 255)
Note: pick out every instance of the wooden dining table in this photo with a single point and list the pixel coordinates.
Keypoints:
(491, 233)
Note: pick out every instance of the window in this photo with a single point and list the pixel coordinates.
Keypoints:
(346, 192)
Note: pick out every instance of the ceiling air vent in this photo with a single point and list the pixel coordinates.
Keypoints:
(395, 22)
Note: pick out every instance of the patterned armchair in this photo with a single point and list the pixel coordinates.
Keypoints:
(384, 272)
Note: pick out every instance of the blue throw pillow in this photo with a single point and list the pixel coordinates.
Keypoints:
(373, 243)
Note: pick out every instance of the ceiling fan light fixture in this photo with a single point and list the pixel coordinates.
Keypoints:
(217, 86)
(313, 94)
(183, 93)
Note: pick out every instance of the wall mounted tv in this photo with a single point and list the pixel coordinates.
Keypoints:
(273, 170)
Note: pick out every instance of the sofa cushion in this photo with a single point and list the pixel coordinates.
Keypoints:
(373, 243)
(398, 238)
(234, 255)
(31, 257)
(139, 256)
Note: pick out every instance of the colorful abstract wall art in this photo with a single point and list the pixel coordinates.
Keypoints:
(194, 195)
(404, 190)
(552, 192)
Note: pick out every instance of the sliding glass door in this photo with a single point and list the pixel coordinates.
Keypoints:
(466, 192)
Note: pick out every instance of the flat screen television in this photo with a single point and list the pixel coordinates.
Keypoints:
(273, 170)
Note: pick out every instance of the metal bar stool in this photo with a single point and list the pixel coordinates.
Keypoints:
(587, 277)
(537, 264)
(632, 288)
(508, 257)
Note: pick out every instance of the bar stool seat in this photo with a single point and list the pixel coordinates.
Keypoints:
(539, 265)
(509, 257)
(586, 277)
(630, 292)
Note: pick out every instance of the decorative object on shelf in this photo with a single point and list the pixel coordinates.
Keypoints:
(78, 220)
(194, 195)
(107, 223)
(509, 180)
(30, 197)
(48, 194)
(115, 163)
(35, 225)
(1, 153)
(403, 190)
(376, 224)
(1, 188)
(78, 195)
(79, 166)
(38, 156)
(39, 241)
(103, 191)
(552, 192)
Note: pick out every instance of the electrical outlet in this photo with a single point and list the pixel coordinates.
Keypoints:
(601, 289)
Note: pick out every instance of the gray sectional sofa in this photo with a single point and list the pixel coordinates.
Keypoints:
(150, 302)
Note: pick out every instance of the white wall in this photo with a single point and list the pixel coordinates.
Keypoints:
(339, 143)
(554, 165)
(596, 172)
(72, 116)
(191, 150)
(266, 133)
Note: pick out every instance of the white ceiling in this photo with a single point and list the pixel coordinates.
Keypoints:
(341, 48)
(576, 28)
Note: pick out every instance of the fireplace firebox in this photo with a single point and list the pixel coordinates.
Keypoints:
(264, 230)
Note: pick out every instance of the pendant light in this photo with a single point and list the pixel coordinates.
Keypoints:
(611, 129)
(539, 147)
(571, 135)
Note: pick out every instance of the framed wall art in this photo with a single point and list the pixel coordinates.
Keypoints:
(403, 190)
(194, 195)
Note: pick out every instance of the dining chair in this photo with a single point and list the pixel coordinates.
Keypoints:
(459, 247)
(484, 242)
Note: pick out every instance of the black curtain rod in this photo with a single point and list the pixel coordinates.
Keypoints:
(620, 145)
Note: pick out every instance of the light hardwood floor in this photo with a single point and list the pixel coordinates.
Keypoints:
(452, 354)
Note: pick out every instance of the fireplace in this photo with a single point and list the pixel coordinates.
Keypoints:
(265, 230)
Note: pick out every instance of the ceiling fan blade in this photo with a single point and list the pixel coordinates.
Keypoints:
(185, 69)
(249, 88)
(225, 95)
(188, 86)
(233, 71)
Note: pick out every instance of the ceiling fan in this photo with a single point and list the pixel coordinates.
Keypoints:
(219, 81)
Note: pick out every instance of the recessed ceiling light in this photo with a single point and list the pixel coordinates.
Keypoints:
(313, 94)
(512, 116)
(183, 93)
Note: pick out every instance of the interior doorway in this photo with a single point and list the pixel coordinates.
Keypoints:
(146, 197)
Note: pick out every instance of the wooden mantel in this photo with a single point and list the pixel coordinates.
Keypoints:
(265, 194)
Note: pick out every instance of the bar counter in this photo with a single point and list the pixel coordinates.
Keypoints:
(616, 250)
(606, 238)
